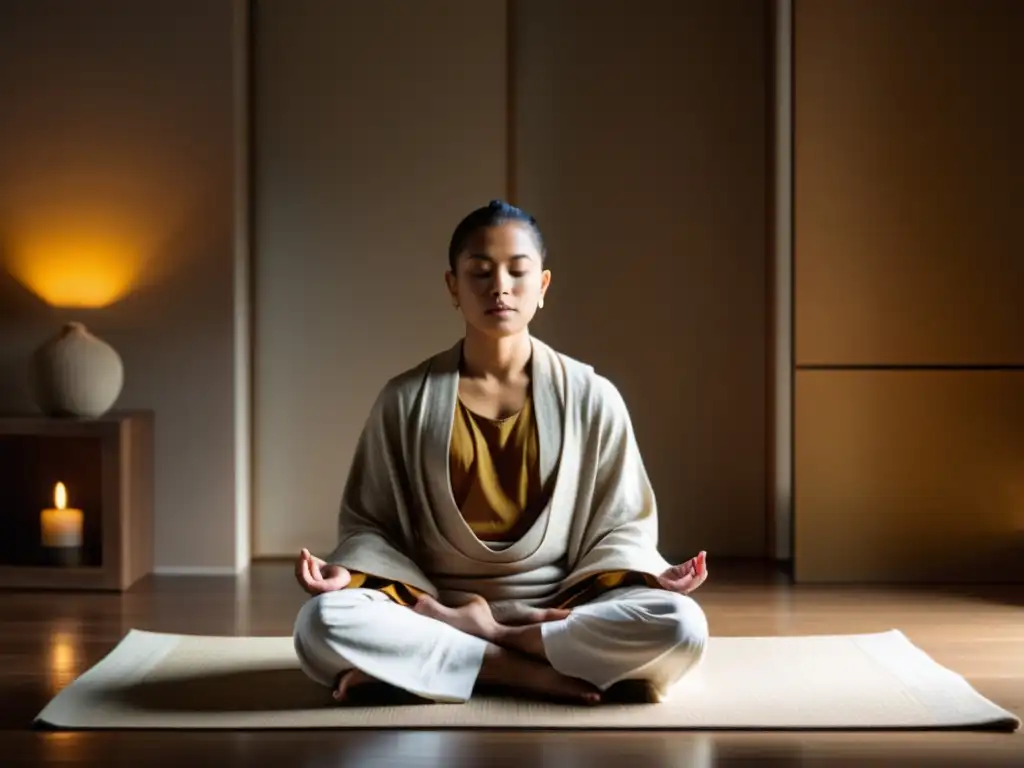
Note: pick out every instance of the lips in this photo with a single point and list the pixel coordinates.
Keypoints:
(499, 308)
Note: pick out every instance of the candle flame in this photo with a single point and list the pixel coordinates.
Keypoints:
(60, 496)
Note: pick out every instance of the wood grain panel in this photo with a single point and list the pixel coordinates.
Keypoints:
(908, 118)
(909, 476)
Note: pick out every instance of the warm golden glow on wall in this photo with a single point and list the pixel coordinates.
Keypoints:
(76, 252)
(67, 269)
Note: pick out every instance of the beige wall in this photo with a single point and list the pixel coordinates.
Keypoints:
(637, 132)
(908, 253)
(365, 161)
(638, 138)
(641, 146)
(121, 143)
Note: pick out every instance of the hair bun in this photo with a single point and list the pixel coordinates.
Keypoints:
(496, 204)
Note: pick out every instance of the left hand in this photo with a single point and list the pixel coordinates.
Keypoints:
(686, 577)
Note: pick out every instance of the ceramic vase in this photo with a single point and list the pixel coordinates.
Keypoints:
(76, 374)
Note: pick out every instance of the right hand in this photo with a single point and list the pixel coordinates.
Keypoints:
(317, 576)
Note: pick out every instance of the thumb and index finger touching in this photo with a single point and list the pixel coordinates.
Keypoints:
(307, 568)
(700, 562)
(319, 575)
(697, 563)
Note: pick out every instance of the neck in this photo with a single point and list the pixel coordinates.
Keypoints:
(489, 358)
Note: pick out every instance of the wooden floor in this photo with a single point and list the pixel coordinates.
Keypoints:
(46, 639)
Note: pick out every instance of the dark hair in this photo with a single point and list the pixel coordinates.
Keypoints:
(494, 214)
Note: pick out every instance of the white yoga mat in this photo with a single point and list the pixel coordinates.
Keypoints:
(872, 681)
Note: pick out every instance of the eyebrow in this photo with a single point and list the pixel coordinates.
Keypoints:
(485, 257)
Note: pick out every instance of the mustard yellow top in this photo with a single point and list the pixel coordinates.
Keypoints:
(495, 479)
(495, 472)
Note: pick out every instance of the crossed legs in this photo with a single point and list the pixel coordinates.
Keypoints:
(634, 633)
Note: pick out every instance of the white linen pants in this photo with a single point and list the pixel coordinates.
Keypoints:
(630, 633)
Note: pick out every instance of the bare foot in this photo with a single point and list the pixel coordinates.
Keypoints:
(473, 618)
(348, 681)
(501, 667)
(511, 670)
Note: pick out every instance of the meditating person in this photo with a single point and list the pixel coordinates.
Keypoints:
(497, 526)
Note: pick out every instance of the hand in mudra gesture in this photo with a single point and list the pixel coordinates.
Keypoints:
(686, 577)
(317, 576)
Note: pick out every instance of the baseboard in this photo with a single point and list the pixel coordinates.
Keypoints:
(196, 570)
(276, 558)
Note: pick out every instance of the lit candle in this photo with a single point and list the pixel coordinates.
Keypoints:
(62, 527)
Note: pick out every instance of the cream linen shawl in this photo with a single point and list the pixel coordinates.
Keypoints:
(399, 520)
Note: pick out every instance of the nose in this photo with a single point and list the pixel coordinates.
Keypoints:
(501, 284)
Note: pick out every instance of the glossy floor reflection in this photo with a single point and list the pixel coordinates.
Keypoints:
(46, 639)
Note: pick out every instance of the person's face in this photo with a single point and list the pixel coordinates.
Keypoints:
(499, 280)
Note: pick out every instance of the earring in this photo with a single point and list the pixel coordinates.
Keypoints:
(540, 304)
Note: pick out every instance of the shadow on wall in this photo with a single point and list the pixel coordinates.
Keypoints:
(986, 570)
(26, 321)
(993, 573)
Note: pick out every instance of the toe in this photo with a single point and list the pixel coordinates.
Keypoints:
(344, 681)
